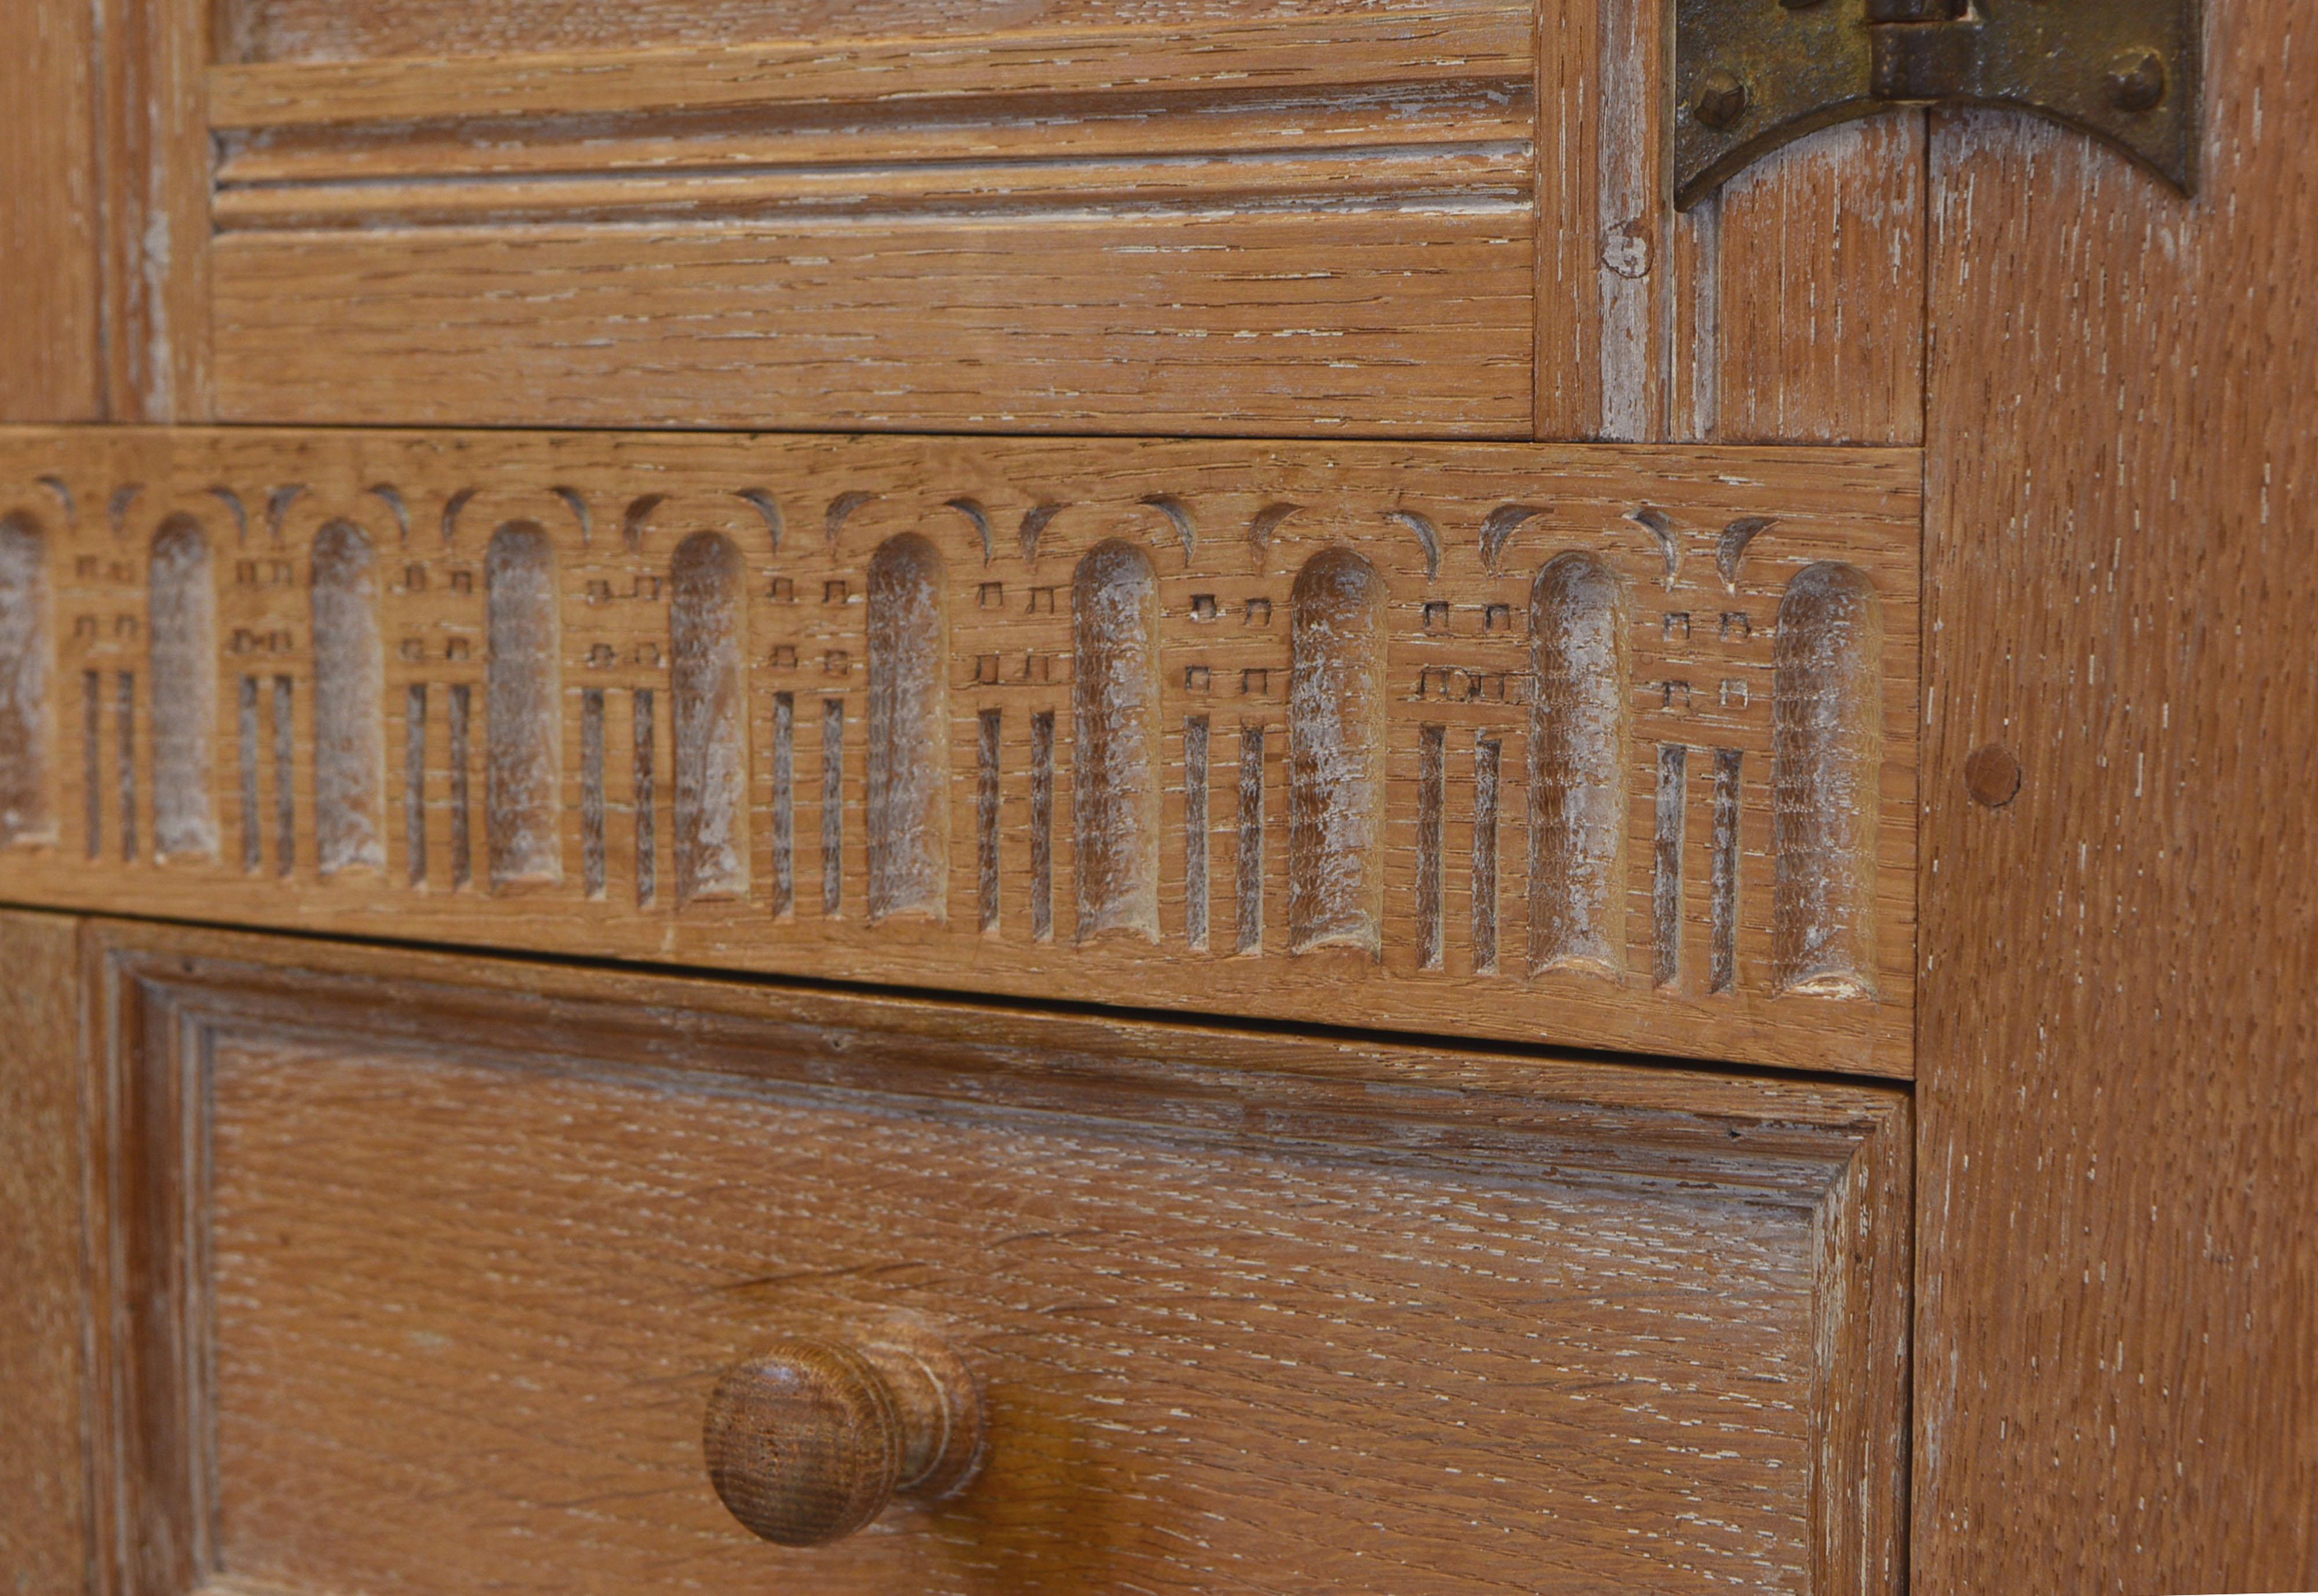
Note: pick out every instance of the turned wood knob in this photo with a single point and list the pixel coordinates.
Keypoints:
(811, 1438)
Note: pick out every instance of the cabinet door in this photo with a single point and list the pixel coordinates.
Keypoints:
(1411, 229)
(1444, 219)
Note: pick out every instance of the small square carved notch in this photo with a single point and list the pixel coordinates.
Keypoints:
(1195, 678)
(1259, 612)
(1736, 626)
(991, 595)
(1254, 684)
(1676, 626)
(1498, 618)
(832, 591)
(785, 656)
(985, 670)
(1436, 614)
(1203, 607)
(782, 590)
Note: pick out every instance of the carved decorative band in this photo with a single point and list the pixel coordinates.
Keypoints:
(1604, 746)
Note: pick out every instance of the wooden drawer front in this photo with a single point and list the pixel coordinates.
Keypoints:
(1602, 745)
(1250, 1312)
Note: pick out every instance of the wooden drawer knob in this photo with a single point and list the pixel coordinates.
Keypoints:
(810, 1440)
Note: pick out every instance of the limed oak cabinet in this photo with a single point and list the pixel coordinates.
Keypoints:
(1089, 797)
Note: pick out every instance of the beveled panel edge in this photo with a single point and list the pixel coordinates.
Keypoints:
(1278, 53)
(161, 999)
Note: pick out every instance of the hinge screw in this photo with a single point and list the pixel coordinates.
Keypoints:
(2136, 79)
(1720, 100)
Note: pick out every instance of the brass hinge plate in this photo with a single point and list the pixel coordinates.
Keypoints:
(1752, 74)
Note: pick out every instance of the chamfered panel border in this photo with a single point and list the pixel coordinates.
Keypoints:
(163, 1002)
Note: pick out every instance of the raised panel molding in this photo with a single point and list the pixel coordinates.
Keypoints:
(1317, 222)
(1641, 1288)
(1599, 745)
(1079, 217)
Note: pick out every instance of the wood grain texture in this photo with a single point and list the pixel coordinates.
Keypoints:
(51, 305)
(1277, 54)
(807, 1439)
(1319, 321)
(2119, 1375)
(613, 759)
(1303, 222)
(156, 189)
(1295, 1315)
(1331, 221)
(1816, 327)
(350, 30)
(44, 1508)
(1788, 308)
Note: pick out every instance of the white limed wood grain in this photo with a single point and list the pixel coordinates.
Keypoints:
(549, 752)
(1419, 1292)
(1303, 223)
(368, 31)
(1185, 221)
(1273, 54)
(2121, 1123)
(1817, 326)
(52, 297)
(154, 144)
(44, 1459)
(1309, 322)
(1788, 308)
(1025, 133)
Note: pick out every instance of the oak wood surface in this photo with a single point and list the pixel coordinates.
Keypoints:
(52, 314)
(1326, 320)
(470, 1241)
(1590, 760)
(1788, 308)
(2118, 1380)
(1280, 54)
(304, 31)
(807, 1439)
(1815, 328)
(1023, 228)
(155, 191)
(44, 1510)
(2115, 1032)
(1310, 221)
